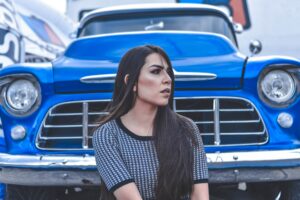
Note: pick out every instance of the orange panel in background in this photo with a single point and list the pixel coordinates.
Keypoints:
(240, 12)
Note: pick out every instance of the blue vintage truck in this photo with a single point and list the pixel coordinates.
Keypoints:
(246, 108)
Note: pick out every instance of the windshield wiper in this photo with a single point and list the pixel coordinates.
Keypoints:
(157, 26)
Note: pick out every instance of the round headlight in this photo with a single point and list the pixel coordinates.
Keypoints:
(278, 86)
(21, 95)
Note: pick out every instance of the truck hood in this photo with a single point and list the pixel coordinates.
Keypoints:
(200, 61)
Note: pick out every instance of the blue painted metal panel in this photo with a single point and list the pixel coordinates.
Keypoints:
(177, 44)
(206, 53)
(2, 191)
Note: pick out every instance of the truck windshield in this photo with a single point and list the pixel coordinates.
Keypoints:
(197, 23)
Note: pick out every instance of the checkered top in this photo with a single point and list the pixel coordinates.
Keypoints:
(123, 157)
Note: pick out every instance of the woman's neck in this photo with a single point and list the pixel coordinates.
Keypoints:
(140, 119)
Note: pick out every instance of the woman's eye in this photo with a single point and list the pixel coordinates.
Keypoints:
(156, 71)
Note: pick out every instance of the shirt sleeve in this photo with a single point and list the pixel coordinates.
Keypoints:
(110, 165)
(200, 173)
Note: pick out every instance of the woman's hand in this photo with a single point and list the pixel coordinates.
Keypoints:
(128, 192)
(200, 192)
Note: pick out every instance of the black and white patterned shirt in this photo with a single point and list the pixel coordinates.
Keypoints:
(123, 157)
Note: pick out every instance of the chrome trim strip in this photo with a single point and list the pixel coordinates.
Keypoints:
(100, 78)
(83, 161)
(85, 122)
(179, 76)
(193, 76)
(216, 108)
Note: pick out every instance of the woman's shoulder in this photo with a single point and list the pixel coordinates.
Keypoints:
(106, 130)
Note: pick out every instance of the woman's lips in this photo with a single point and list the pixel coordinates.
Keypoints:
(167, 90)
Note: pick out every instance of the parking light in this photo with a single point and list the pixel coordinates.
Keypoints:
(18, 132)
(285, 120)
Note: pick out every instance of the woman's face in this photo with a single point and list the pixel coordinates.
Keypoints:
(154, 83)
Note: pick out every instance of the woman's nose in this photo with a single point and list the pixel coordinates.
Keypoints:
(167, 79)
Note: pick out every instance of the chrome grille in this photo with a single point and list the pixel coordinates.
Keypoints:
(69, 126)
(224, 121)
(221, 121)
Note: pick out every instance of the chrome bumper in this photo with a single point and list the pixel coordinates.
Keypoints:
(88, 161)
(47, 161)
(64, 170)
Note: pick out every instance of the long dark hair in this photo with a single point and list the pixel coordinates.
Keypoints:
(173, 135)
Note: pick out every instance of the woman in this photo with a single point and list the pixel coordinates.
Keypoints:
(143, 149)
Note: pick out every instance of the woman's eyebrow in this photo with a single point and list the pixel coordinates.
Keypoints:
(158, 66)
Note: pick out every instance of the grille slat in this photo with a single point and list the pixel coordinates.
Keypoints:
(245, 133)
(98, 113)
(188, 111)
(64, 114)
(207, 134)
(85, 125)
(236, 110)
(222, 121)
(61, 138)
(68, 126)
(63, 126)
(240, 121)
(216, 108)
(205, 122)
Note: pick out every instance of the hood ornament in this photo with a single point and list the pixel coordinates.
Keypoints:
(179, 76)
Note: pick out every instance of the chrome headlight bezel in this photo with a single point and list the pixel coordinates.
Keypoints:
(287, 70)
(4, 98)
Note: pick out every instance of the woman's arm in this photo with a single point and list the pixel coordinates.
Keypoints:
(200, 192)
(128, 192)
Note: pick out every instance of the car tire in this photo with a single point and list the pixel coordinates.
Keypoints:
(18, 192)
(290, 190)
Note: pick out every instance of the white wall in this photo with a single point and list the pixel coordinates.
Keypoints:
(277, 24)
